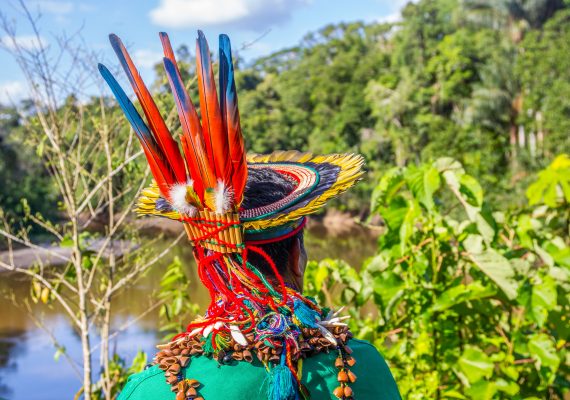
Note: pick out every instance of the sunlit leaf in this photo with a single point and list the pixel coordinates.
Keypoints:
(498, 269)
(475, 364)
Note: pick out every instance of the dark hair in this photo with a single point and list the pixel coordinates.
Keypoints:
(265, 186)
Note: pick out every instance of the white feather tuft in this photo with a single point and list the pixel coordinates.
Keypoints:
(224, 198)
(327, 334)
(179, 201)
(238, 336)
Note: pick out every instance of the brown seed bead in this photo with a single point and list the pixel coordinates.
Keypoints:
(191, 392)
(163, 366)
(339, 363)
(174, 368)
(168, 360)
(350, 361)
(247, 356)
(193, 382)
(339, 392)
(184, 360)
(172, 379)
(342, 376)
(182, 386)
(351, 376)
(347, 391)
(180, 396)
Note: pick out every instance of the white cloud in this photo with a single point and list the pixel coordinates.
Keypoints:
(390, 18)
(395, 12)
(12, 92)
(54, 7)
(250, 14)
(26, 42)
(145, 58)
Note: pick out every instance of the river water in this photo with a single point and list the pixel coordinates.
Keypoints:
(28, 366)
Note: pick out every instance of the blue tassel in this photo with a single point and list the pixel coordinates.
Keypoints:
(305, 314)
(280, 383)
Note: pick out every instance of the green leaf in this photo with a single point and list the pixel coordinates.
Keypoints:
(388, 186)
(543, 299)
(542, 349)
(498, 269)
(471, 189)
(475, 364)
(58, 353)
(423, 183)
(473, 243)
(395, 213)
(321, 275)
(482, 390)
(553, 184)
(511, 388)
(386, 286)
(460, 294)
(67, 241)
(408, 224)
(449, 164)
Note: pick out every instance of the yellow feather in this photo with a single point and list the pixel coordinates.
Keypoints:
(350, 172)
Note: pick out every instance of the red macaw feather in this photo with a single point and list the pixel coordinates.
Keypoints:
(192, 143)
(215, 136)
(230, 116)
(167, 144)
(160, 168)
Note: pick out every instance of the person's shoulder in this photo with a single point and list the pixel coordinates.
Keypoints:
(146, 385)
(372, 370)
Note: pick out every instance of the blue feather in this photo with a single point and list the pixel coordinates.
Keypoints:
(139, 126)
(227, 84)
(117, 44)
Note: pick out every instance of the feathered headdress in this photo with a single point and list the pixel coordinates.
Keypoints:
(203, 187)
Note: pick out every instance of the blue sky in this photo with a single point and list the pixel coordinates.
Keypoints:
(272, 24)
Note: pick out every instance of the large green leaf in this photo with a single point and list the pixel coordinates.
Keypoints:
(482, 390)
(498, 269)
(543, 299)
(408, 224)
(423, 183)
(542, 349)
(475, 364)
(553, 184)
(460, 294)
(471, 190)
(388, 186)
(386, 286)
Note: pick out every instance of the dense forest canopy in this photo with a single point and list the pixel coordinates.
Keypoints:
(485, 82)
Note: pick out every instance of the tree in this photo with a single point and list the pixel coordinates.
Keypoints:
(90, 155)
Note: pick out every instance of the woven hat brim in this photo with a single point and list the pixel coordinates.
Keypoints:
(320, 178)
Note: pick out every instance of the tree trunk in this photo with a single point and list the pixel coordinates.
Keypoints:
(86, 349)
(513, 154)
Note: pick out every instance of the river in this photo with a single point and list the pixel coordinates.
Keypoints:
(28, 366)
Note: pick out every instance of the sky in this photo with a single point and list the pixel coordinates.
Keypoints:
(266, 25)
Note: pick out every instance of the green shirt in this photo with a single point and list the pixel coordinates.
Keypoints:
(245, 381)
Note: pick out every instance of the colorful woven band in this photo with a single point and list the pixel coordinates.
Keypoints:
(276, 234)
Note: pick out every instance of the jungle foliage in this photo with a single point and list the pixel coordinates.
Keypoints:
(465, 302)
(483, 82)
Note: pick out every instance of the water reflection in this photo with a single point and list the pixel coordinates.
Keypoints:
(27, 353)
